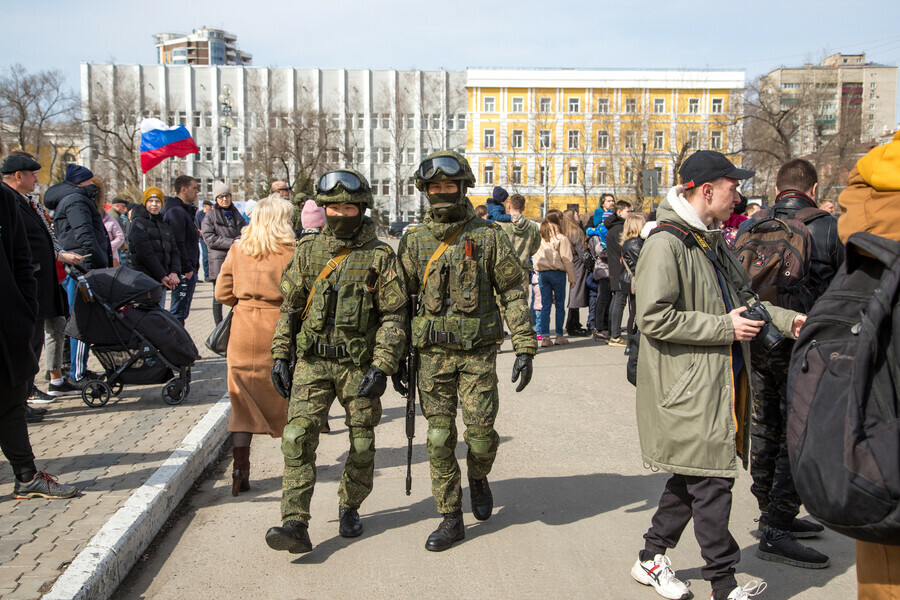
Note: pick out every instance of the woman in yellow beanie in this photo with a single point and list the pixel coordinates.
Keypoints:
(153, 249)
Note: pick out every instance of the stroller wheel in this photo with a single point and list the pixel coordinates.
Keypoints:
(95, 393)
(174, 392)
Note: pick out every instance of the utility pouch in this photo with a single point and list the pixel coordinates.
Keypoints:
(433, 294)
(351, 314)
(317, 317)
(464, 285)
(421, 326)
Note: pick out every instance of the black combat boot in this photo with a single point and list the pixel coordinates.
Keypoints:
(449, 531)
(293, 536)
(350, 525)
(482, 499)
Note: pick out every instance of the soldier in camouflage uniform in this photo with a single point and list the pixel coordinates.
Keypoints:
(459, 264)
(347, 289)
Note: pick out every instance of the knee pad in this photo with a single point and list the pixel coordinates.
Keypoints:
(481, 442)
(439, 432)
(296, 436)
(363, 442)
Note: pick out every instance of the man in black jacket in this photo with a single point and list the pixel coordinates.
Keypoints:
(18, 364)
(79, 228)
(773, 484)
(19, 172)
(614, 224)
(178, 213)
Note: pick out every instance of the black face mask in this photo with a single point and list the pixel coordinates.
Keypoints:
(342, 227)
(448, 207)
(91, 190)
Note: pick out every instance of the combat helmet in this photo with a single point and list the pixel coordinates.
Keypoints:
(344, 186)
(444, 165)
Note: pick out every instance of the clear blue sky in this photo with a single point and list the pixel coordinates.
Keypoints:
(401, 34)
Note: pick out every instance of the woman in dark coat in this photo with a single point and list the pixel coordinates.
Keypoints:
(153, 249)
(632, 242)
(578, 294)
(221, 227)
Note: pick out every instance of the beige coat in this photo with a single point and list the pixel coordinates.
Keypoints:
(555, 255)
(252, 285)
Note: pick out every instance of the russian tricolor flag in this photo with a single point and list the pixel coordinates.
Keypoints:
(159, 141)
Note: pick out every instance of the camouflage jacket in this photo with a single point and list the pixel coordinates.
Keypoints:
(368, 322)
(525, 237)
(458, 303)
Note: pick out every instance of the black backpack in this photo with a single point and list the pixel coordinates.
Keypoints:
(843, 431)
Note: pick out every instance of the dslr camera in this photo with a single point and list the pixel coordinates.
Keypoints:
(768, 336)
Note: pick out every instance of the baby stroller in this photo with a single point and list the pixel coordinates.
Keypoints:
(117, 311)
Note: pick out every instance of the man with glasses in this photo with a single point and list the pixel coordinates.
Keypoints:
(459, 265)
(345, 292)
(282, 188)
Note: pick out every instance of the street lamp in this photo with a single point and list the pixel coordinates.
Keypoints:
(226, 123)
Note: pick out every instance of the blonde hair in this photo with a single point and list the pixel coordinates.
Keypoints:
(634, 223)
(100, 198)
(270, 227)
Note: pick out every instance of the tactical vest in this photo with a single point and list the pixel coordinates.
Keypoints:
(342, 320)
(458, 307)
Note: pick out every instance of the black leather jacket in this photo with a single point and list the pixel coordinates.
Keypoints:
(827, 249)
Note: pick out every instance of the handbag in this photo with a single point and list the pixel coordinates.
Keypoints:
(218, 339)
(627, 268)
(588, 259)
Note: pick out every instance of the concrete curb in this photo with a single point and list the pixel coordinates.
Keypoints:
(98, 569)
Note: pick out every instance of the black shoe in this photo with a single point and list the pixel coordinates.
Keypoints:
(482, 499)
(580, 332)
(63, 389)
(799, 528)
(293, 536)
(89, 376)
(780, 546)
(32, 416)
(450, 530)
(350, 525)
(36, 410)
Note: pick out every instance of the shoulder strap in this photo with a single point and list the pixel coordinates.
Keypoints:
(328, 270)
(439, 252)
(690, 239)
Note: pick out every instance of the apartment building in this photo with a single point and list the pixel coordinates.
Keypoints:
(202, 46)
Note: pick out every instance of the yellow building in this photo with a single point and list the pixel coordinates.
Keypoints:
(563, 137)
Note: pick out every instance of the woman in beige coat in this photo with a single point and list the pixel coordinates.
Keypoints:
(553, 263)
(248, 282)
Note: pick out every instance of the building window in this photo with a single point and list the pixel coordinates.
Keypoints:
(694, 105)
(488, 175)
(488, 104)
(374, 159)
(659, 105)
(573, 175)
(574, 105)
(373, 122)
(207, 153)
(426, 119)
(410, 156)
(542, 175)
(546, 105)
(629, 176)
(544, 139)
(386, 155)
(717, 104)
(629, 139)
(630, 105)
(872, 86)
(375, 184)
(460, 122)
(196, 118)
(602, 139)
(517, 138)
(694, 140)
(410, 186)
(234, 154)
(208, 118)
(248, 153)
(715, 140)
(488, 138)
(360, 155)
(658, 140)
(601, 175)
(574, 139)
(182, 117)
(450, 124)
(518, 104)
(360, 121)
(603, 106)
(385, 187)
(435, 121)
(385, 121)
(209, 184)
(410, 121)
(517, 174)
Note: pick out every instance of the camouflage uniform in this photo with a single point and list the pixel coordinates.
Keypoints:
(347, 329)
(457, 331)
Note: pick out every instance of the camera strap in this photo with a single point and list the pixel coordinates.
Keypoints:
(693, 239)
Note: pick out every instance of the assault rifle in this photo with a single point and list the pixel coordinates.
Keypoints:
(412, 375)
(294, 328)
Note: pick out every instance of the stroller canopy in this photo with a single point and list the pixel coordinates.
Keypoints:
(119, 286)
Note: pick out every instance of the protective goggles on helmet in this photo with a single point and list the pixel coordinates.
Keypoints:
(350, 182)
(447, 165)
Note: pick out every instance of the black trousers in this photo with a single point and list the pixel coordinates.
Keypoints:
(601, 310)
(708, 501)
(37, 344)
(14, 429)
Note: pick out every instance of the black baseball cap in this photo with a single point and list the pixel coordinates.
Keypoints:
(708, 165)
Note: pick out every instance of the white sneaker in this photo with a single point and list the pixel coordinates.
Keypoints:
(743, 592)
(658, 573)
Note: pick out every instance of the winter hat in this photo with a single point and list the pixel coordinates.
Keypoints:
(153, 192)
(313, 215)
(499, 194)
(220, 188)
(77, 174)
(880, 168)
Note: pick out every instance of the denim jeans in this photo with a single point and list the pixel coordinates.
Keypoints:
(204, 259)
(182, 297)
(553, 291)
(78, 350)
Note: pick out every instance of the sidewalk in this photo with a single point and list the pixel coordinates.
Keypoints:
(108, 453)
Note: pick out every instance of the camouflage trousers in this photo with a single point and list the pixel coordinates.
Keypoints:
(773, 483)
(317, 382)
(448, 377)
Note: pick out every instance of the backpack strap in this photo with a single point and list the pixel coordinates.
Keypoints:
(690, 240)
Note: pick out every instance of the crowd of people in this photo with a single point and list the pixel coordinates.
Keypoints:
(322, 310)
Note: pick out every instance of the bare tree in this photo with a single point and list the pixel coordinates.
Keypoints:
(394, 102)
(38, 112)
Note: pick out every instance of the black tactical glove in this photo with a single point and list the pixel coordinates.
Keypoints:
(400, 379)
(281, 377)
(373, 383)
(522, 367)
